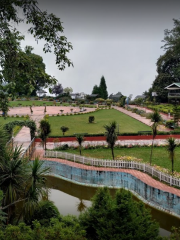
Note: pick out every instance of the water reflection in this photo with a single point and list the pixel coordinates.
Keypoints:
(72, 198)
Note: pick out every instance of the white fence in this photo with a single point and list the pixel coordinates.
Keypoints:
(172, 181)
(29, 150)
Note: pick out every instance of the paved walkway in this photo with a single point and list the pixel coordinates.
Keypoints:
(143, 119)
(140, 175)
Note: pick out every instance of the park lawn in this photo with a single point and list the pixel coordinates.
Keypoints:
(80, 124)
(160, 155)
(11, 119)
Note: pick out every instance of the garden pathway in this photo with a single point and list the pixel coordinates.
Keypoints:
(143, 119)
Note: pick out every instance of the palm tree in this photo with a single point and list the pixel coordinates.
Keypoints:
(171, 146)
(45, 130)
(35, 189)
(13, 176)
(111, 135)
(156, 119)
(64, 129)
(80, 139)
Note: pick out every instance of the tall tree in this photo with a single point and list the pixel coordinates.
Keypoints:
(111, 135)
(42, 26)
(156, 119)
(45, 130)
(29, 75)
(168, 65)
(80, 140)
(57, 89)
(96, 90)
(171, 146)
(103, 88)
(68, 90)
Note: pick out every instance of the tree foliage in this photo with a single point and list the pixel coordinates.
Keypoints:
(64, 129)
(57, 89)
(41, 25)
(80, 139)
(29, 74)
(118, 218)
(171, 147)
(168, 65)
(101, 90)
(111, 135)
(156, 119)
(45, 130)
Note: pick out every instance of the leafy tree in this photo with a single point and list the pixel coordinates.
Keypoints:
(29, 74)
(122, 101)
(64, 228)
(68, 90)
(45, 130)
(156, 119)
(103, 88)
(42, 26)
(4, 107)
(118, 218)
(168, 65)
(96, 90)
(171, 146)
(57, 89)
(80, 139)
(111, 135)
(64, 129)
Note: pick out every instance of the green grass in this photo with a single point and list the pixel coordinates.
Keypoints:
(160, 155)
(80, 124)
(11, 119)
(31, 102)
(41, 103)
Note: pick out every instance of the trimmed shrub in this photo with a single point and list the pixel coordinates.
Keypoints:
(91, 119)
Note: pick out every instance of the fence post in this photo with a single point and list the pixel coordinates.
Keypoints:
(56, 154)
(74, 157)
(170, 180)
(160, 176)
(144, 167)
(152, 172)
(83, 160)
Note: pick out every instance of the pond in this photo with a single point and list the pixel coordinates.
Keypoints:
(70, 198)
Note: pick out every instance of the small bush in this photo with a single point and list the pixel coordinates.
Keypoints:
(91, 119)
(169, 123)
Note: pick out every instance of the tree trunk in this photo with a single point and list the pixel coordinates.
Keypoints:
(112, 150)
(172, 166)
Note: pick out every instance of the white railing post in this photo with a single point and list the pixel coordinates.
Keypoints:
(83, 160)
(56, 154)
(170, 180)
(144, 167)
(160, 176)
(74, 157)
(152, 172)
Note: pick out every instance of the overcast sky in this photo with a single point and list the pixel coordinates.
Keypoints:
(120, 40)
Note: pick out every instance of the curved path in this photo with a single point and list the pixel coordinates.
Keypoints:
(140, 175)
(143, 119)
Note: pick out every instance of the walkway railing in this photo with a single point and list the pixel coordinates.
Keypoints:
(29, 150)
(172, 181)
